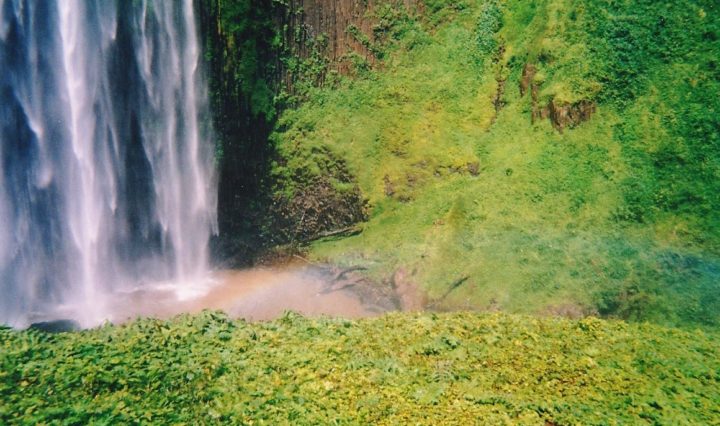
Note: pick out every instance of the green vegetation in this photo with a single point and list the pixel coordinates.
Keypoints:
(545, 158)
(399, 369)
(465, 177)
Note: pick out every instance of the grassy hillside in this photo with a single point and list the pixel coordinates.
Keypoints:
(400, 369)
(469, 181)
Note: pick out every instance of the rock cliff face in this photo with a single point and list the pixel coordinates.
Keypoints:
(256, 50)
(242, 65)
(336, 29)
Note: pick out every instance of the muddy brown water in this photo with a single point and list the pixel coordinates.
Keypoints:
(254, 294)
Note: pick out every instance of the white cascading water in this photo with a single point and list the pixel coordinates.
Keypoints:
(106, 164)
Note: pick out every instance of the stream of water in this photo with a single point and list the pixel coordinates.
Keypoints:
(106, 160)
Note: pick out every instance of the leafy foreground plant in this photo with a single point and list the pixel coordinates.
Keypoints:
(459, 368)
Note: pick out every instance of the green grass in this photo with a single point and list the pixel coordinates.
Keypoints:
(619, 215)
(456, 368)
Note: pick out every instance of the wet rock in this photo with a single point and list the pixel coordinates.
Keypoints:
(56, 326)
(409, 297)
(374, 296)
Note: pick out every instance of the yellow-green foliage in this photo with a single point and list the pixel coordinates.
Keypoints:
(618, 215)
(399, 369)
(551, 35)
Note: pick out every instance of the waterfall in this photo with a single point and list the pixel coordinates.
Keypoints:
(106, 160)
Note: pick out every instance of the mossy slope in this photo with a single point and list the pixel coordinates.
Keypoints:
(616, 215)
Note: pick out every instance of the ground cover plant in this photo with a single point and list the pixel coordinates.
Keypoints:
(460, 368)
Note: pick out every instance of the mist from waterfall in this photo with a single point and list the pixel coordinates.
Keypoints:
(106, 161)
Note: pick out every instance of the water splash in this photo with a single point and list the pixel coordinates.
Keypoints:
(106, 176)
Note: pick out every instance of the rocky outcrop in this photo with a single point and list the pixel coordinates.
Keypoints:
(561, 115)
(315, 210)
(569, 115)
(526, 81)
(498, 102)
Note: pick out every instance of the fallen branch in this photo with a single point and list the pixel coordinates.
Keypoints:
(345, 232)
(340, 275)
(309, 262)
(455, 284)
(341, 286)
